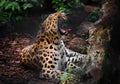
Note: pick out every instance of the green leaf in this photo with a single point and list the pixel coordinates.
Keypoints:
(13, 6)
(21, 0)
(19, 18)
(69, 68)
(27, 5)
(2, 3)
(64, 77)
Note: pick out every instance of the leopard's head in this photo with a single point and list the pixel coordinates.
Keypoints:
(54, 24)
(99, 35)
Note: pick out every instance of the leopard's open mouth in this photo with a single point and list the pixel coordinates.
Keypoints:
(64, 31)
(62, 26)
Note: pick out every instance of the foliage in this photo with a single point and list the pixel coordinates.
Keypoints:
(94, 15)
(12, 10)
(66, 5)
(65, 77)
(84, 36)
(83, 49)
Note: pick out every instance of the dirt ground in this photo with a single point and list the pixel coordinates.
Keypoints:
(11, 71)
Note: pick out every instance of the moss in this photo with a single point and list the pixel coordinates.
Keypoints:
(83, 49)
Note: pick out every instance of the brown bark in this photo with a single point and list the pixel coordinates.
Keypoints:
(103, 42)
(111, 63)
(110, 18)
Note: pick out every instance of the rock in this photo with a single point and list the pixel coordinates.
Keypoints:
(84, 28)
(76, 17)
(89, 8)
(78, 44)
(96, 73)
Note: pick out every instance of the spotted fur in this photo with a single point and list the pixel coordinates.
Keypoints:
(48, 53)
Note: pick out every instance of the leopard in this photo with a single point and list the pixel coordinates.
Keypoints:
(99, 38)
(48, 53)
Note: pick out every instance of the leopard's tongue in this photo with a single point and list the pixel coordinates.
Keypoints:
(64, 31)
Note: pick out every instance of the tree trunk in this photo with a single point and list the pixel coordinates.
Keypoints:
(104, 51)
(111, 63)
